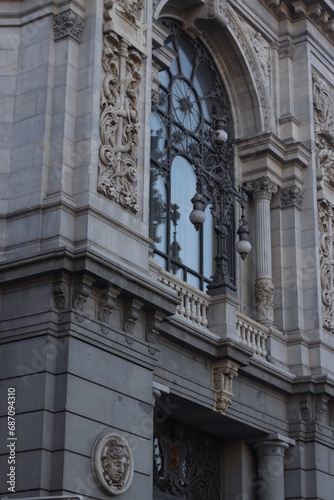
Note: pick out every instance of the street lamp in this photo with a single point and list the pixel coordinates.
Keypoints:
(215, 186)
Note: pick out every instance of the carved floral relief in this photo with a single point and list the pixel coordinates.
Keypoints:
(323, 106)
(326, 230)
(119, 128)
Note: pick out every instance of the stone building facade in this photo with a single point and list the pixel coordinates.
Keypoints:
(121, 372)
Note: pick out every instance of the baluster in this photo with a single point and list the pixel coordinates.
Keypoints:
(186, 305)
(198, 312)
(258, 342)
(263, 346)
(248, 335)
(204, 318)
(181, 307)
(192, 308)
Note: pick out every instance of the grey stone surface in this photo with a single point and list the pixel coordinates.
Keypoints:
(87, 323)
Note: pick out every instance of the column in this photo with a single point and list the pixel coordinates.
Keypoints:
(262, 190)
(271, 468)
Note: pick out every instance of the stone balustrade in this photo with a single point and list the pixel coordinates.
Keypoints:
(194, 303)
(252, 334)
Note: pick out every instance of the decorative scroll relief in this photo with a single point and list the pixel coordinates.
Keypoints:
(121, 61)
(239, 33)
(323, 106)
(261, 48)
(326, 229)
(112, 463)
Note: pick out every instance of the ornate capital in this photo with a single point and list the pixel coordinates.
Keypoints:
(223, 374)
(291, 197)
(68, 24)
(264, 299)
(262, 189)
(112, 463)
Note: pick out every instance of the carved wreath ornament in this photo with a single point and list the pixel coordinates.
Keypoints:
(112, 463)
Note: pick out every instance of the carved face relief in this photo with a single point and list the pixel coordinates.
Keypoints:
(132, 7)
(112, 463)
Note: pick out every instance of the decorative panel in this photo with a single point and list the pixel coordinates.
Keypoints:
(186, 462)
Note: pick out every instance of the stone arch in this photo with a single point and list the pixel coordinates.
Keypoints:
(222, 32)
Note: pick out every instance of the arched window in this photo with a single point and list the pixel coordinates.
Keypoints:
(185, 161)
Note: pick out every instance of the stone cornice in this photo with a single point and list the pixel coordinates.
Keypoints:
(319, 12)
(268, 155)
(17, 13)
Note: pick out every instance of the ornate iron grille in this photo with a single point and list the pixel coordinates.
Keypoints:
(185, 125)
(186, 463)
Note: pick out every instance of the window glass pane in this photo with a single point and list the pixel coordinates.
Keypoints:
(187, 57)
(209, 243)
(164, 78)
(184, 239)
(160, 260)
(158, 210)
(186, 109)
(193, 280)
(204, 81)
(158, 136)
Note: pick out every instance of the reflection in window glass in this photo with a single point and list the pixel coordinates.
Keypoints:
(209, 243)
(185, 240)
(158, 210)
(204, 81)
(191, 94)
(158, 136)
(187, 57)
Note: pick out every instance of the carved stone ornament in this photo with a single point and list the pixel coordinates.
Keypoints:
(131, 314)
(262, 188)
(131, 8)
(260, 83)
(261, 48)
(119, 128)
(223, 374)
(80, 295)
(68, 24)
(291, 197)
(112, 463)
(264, 299)
(323, 106)
(326, 236)
(152, 330)
(106, 304)
(61, 297)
